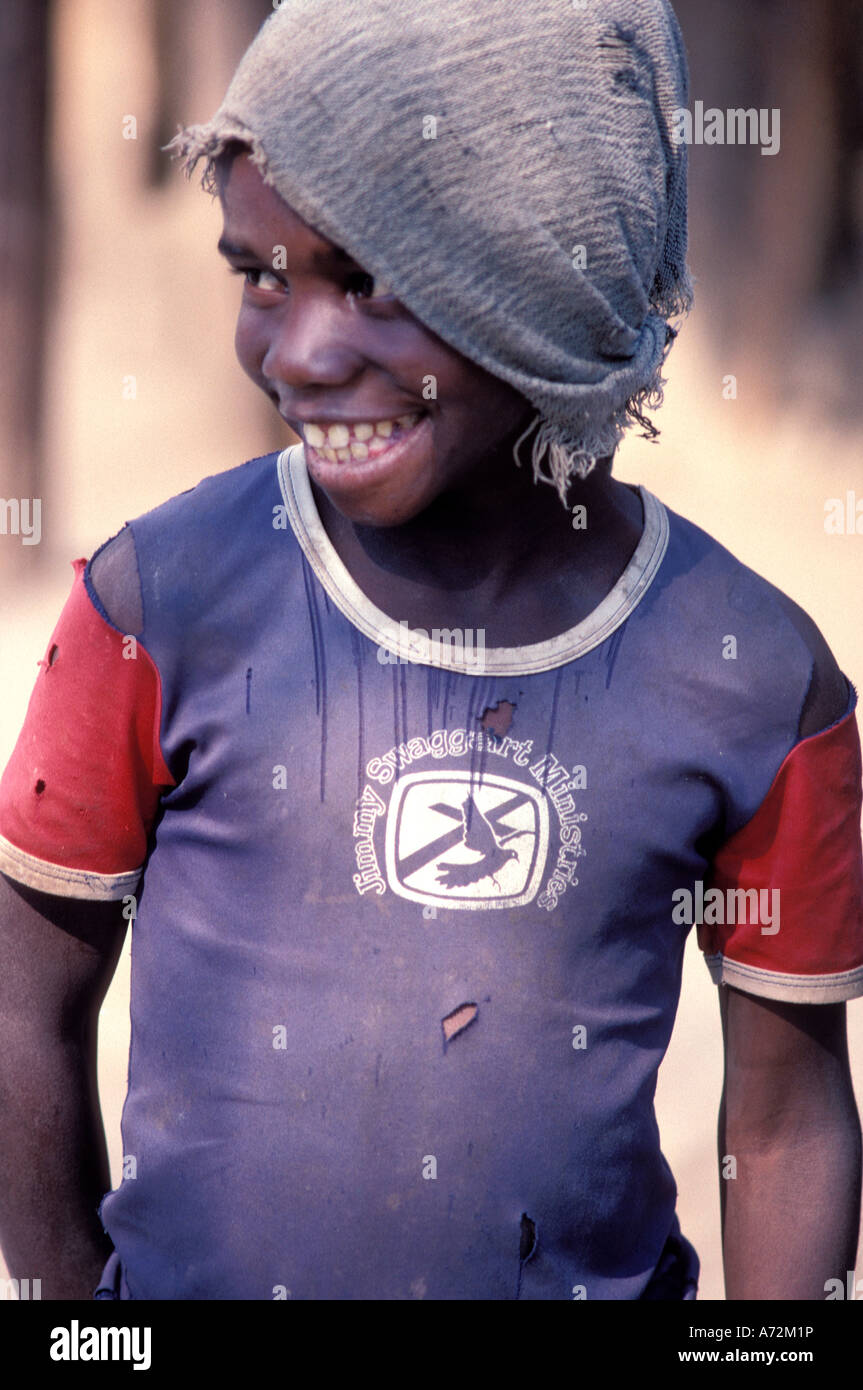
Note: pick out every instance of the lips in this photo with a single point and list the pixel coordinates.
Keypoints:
(357, 441)
(359, 487)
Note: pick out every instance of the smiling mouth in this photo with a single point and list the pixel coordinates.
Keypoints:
(358, 441)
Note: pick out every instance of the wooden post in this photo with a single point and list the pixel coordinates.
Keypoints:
(27, 269)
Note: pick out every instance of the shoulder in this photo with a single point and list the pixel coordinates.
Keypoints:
(196, 521)
(217, 499)
(827, 697)
(113, 582)
(711, 588)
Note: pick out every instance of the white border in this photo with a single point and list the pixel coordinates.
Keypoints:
(615, 608)
(62, 882)
(455, 904)
(775, 984)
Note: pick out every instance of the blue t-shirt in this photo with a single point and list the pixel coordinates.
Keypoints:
(370, 835)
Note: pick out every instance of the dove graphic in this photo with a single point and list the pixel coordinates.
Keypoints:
(479, 836)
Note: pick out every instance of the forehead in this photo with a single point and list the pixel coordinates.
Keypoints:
(257, 217)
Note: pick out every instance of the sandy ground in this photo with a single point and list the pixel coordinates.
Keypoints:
(147, 303)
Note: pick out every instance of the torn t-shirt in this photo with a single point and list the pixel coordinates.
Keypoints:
(409, 912)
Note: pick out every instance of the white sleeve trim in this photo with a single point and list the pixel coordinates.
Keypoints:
(62, 882)
(795, 989)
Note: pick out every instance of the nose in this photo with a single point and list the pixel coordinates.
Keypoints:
(311, 346)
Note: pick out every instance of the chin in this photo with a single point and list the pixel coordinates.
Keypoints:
(388, 489)
(381, 513)
(385, 507)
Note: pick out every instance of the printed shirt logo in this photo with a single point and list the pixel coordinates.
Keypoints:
(455, 842)
(473, 838)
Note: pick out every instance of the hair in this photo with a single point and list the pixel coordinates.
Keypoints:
(216, 166)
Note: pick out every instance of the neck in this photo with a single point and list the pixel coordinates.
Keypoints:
(478, 535)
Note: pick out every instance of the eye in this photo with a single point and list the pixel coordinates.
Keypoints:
(365, 286)
(258, 279)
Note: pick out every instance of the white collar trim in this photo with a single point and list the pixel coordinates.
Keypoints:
(416, 647)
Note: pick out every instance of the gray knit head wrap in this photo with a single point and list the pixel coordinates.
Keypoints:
(507, 169)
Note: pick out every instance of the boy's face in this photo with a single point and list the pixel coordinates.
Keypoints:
(334, 350)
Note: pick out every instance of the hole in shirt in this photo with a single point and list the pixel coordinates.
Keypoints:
(458, 1020)
(497, 719)
(40, 787)
(53, 654)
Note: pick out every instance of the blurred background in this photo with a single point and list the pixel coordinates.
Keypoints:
(119, 388)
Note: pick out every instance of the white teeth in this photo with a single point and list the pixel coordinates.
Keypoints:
(342, 442)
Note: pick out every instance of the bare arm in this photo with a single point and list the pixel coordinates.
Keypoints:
(790, 1217)
(788, 1117)
(57, 957)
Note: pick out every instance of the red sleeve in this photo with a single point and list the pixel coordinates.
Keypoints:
(81, 790)
(799, 934)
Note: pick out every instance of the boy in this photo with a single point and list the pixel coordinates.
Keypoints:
(410, 903)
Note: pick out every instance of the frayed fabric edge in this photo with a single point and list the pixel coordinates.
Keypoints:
(557, 456)
(196, 142)
(562, 453)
